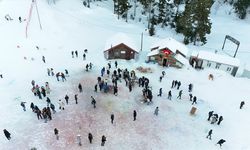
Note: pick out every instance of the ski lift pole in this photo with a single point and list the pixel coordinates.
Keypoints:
(37, 14)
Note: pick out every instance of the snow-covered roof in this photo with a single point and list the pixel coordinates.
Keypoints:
(181, 59)
(172, 45)
(152, 53)
(118, 39)
(223, 59)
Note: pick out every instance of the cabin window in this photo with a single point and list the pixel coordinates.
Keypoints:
(229, 68)
(123, 52)
(217, 66)
(132, 52)
(209, 64)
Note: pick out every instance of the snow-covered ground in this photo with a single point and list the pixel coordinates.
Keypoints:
(68, 26)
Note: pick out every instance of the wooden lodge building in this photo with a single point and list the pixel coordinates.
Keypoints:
(120, 46)
(168, 52)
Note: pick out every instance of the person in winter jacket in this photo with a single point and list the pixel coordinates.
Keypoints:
(112, 118)
(96, 88)
(93, 102)
(194, 100)
(32, 106)
(134, 115)
(43, 58)
(90, 137)
(160, 92)
(169, 95)
(210, 134)
(56, 133)
(220, 119)
(23, 105)
(221, 141)
(76, 98)
(67, 99)
(103, 140)
(7, 134)
(43, 91)
(79, 140)
(156, 111)
(116, 64)
(52, 106)
(76, 52)
(72, 53)
(210, 113)
(180, 93)
(178, 85)
(242, 103)
(63, 77)
(80, 87)
(61, 105)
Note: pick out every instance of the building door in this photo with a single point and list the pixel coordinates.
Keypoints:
(164, 63)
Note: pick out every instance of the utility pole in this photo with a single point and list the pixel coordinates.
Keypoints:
(141, 40)
(37, 14)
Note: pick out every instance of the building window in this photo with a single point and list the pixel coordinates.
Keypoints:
(208, 64)
(229, 68)
(123, 52)
(217, 66)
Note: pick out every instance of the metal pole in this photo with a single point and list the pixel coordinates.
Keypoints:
(236, 51)
(38, 14)
(141, 40)
(224, 43)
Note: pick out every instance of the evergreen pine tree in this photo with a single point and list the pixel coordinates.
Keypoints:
(194, 22)
(201, 20)
(241, 7)
(123, 7)
(162, 11)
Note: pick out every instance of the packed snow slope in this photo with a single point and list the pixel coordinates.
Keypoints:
(68, 26)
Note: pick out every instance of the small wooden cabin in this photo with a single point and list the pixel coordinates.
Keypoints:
(120, 47)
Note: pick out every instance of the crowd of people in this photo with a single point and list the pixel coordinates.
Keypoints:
(117, 76)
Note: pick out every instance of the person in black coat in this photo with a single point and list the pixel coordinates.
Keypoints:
(32, 106)
(169, 95)
(80, 87)
(160, 92)
(76, 52)
(241, 104)
(76, 98)
(194, 100)
(96, 88)
(67, 99)
(112, 118)
(7, 134)
(93, 102)
(56, 133)
(103, 140)
(90, 137)
(221, 141)
(210, 134)
(134, 114)
(210, 114)
(220, 119)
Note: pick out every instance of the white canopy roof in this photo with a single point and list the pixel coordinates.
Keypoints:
(181, 59)
(118, 39)
(172, 45)
(223, 59)
(152, 53)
